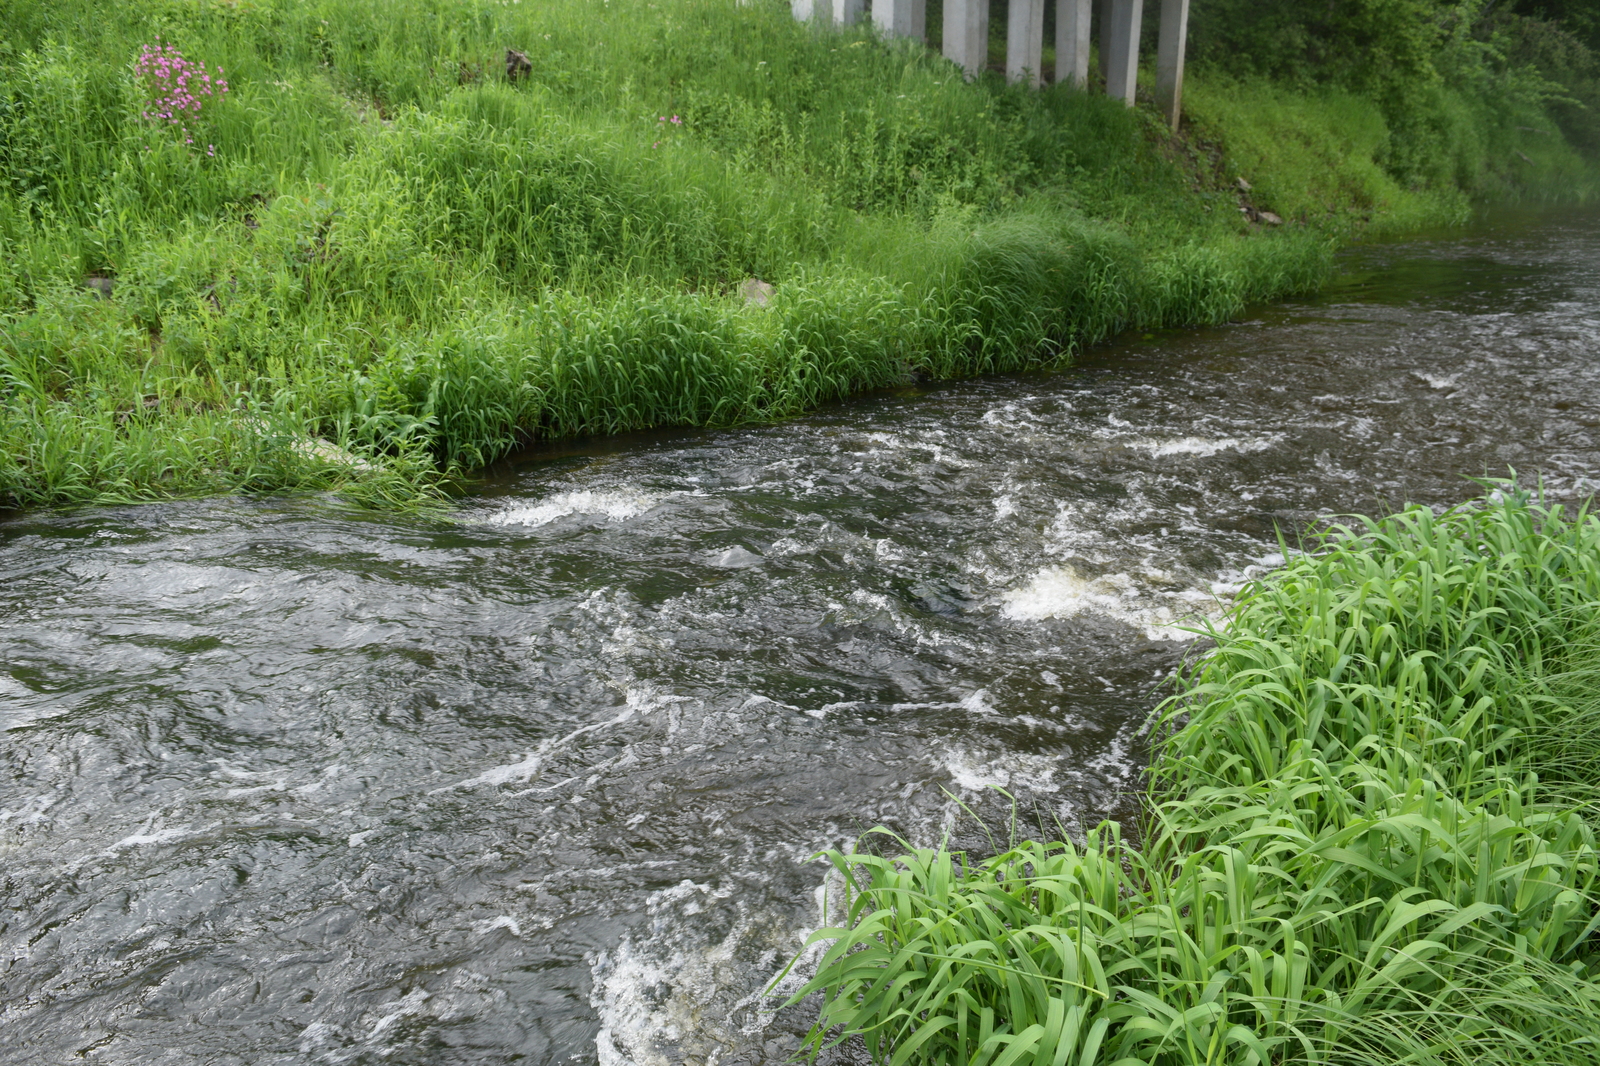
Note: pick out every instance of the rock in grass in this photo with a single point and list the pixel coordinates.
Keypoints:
(756, 292)
(100, 284)
(325, 451)
(1269, 218)
(317, 449)
(518, 65)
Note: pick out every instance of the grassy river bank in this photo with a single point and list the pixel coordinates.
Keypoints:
(1369, 838)
(362, 257)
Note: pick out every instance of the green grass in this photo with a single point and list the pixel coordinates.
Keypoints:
(400, 251)
(1368, 839)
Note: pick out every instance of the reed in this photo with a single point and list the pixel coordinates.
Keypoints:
(1368, 839)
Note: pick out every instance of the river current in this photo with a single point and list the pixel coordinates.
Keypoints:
(541, 780)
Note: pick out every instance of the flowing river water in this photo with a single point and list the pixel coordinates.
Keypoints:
(541, 781)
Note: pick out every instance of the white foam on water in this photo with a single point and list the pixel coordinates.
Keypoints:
(160, 836)
(1437, 381)
(1060, 592)
(829, 708)
(505, 921)
(240, 793)
(978, 703)
(616, 506)
(411, 1003)
(31, 812)
(631, 1024)
(670, 996)
(1200, 446)
(974, 779)
(972, 772)
(735, 558)
(640, 700)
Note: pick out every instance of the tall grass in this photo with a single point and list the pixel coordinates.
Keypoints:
(1351, 853)
(400, 249)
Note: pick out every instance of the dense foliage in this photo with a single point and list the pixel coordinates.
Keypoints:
(1440, 71)
(1369, 839)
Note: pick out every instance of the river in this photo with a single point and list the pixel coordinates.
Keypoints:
(541, 780)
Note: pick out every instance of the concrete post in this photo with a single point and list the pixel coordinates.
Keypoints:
(845, 12)
(919, 20)
(1104, 15)
(802, 9)
(966, 34)
(1072, 42)
(1169, 59)
(1024, 41)
(1122, 71)
(894, 17)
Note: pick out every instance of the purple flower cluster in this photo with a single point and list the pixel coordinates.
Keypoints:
(675, 120)
(175, 88)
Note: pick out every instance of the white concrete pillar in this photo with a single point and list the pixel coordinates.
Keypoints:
(919, 20)
(966, 34)
(802, 10)
(1103, 14)
(1072, 42)
(1169, 59)
(845, 12)
(897, 18)
(1024, 41)
(1122, 71)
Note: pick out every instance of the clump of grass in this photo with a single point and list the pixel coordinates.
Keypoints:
(1349, 853)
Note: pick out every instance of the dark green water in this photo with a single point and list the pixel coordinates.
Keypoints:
(541, 782)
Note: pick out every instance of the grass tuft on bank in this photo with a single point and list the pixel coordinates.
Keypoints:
(1369, 838)
(383, 261)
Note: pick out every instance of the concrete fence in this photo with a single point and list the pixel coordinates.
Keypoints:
(965, 33)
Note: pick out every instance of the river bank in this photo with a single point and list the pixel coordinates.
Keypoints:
(1369, 837)
(384, 262)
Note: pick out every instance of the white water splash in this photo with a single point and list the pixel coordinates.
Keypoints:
(616, 506)
(1200, 446)
(640, 700)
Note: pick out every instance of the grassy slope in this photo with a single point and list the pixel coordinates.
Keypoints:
(395, 249)
(1367, 840)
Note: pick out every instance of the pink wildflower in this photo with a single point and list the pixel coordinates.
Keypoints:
(174, 85)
